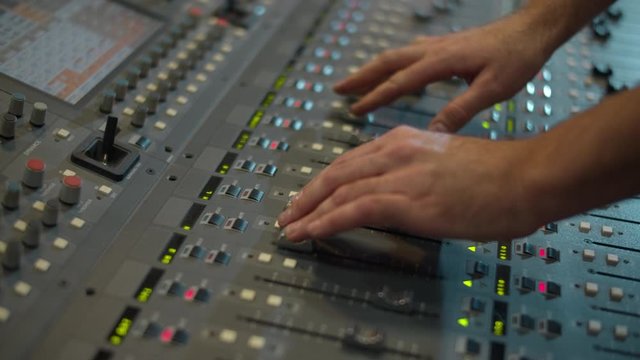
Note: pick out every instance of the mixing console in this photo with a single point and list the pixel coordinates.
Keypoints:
(146, 148)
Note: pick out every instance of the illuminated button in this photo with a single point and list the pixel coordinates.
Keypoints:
(22, 288)
(222, 257)
(550, 328)
(180, 336)
(246, 165)
(197, 252)
(621, 332)
(105, 190)
(594, 327)
(551, 228)
(63, 133)
(160, 125)
(550, 254)
(306, 170)
(549, 289)
(466, 346)
(616, 293)
(42, 265)
(525, 284)
(175, 288)
(202, 295)
(253, 195)
(612, 259)
(274, 300)
(476, 269)
(239, 225)
(584, 227)
(231, 190)
(473, 305)
(20, 225)
(525, 249)
(60, 243)
(606, 231)
(166, 336)
(190, 294)
(248, 294)
(523, 322)
(267, 170)
(256, 342)
(588, 255)
(216, 220)
(591, 289)
(265, 257)
(228, 336)
(5, 314)
(77, 223)
(289, 263)
(38, 205)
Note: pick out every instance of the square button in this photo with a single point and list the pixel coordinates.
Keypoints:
(128, 111)
(20, 225)
(620, 332)
(265, 257)
(274, 300)
(3, 247)
(60, 243)
(5, 314)
(290, 263)
(182, 100)
(317, 146)
(160, 125)
(248, 294)
(140, 99)
(201, 77)
(22, 288)
(616, 293)
(77, 223)
(68, 172)
(306, 170)
(105, 190)
(256, 342)
(228, 336)
(584, 227)
(347, 128)
(63, 133)
(171, 112)
(612, 259)
(42, 265)
(607, 231)
(210, 67)
(152, 87)
(191, 88)
(327, 124)
(588, 255)
(594, 327)
(337, 150)
(38, 205)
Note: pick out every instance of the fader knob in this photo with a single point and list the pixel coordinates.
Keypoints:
(31, 237)
(11, 199)
(33, 175)
(8, 126)
(50, 213)
(16, 105)
(139, 116)
(108, 98)
(12, 255)
(38, 115)
(70, 191)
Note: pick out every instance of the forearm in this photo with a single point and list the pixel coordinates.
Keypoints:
(588, 161)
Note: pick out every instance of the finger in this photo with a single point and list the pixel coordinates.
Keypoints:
(379, 69)
(329, 180)
(415, 77)
(461, 109)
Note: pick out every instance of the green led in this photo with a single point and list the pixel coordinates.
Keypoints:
(486, 125)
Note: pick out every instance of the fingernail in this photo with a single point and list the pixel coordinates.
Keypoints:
(438, 127)
(284, 217)
(314, 227)
(292, 231)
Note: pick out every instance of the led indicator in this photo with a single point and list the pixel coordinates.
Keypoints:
(464, 322)
(268, 99)
(123, 325)
(143, 294)
(242, 140)
(542, 287)
(486, 125)
(498, 328)
(167, 334)
(190, 294)
(511, 125)
(256, 119)
(170, 251)
(274, 145)
(225, 165)
(468, 283)
(503, 274)
(472, 248)
(543, 252)
(210, 188)
(280, 81)
(499, 316)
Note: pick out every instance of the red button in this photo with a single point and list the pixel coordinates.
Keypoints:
(36, 165)
(195, 11)
(72, 181)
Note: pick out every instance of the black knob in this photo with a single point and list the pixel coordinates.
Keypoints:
(108, 98)
(50, 213)
(601, 70)
(12, 255)
(152, 103)
(132, 77)
(39, 114)
(144, 65)
(163, 90)
(120, 89)
(16, 105)
(31, 238)
(11, 199)
(8, 126)
(139, 116)
(155, 53)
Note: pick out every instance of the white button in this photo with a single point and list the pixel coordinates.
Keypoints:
(77, 223)
(274, 300)
(171, 112)
(163, 75)
(172, 65)
(191, 88)
(20, 225)
(218, 57)
(38, 205)
(60, 243)
(594, 327)
(140, 99)
(160, 125)
(290, 263)
(210, 67)
(613, 259)
(3, 247)
(606, 231)
(128, 111)
(105, 190)
(584, 227)
(22, 288)
(616, 293)
(588, 255)
(42, 265)
(327, 124)
(228, 336)
(152, 87)
(264, 257)
(317, 146)
(5, 314)
(591, 289)
(201, 77)
(347, 128)
(68, 172)
(306, 170)
(248, 294)
(182, 100)
(337, 150)
(63, 133)
(621, 332)
(256, 342)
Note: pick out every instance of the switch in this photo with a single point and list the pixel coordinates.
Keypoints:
(108, 99)
(8, 126)
(252, 195)
(476, 269)
(550, 254)
(588, 255)
(616, 294)
(551, 228)
(11, 198)
(594, 327)
(584, 227)
(525, 249)
(197, 252)
(591, 289)
(239, 225)
(601, 70)
(71, 189)
(266, 170)
(50, 213)
(525, 284)
(473, 305)
(613, 259)
(549, 289)
(246, 165)
(216, 220)
(175, 288)
(180, 336)
(466, 346)
(33, 175)
(222, 257)
(202, 295)
(38, 114)
(523, 322)
(550, 328)
(231, 190)
(31, 237)
(16, 104)
(152, 330)
(621, 332)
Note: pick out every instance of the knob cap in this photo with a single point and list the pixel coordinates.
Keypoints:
(12, 255)
(144, 65)
(132, 77)
(70, 191)
(139, 116)
(8, 126)
(50, 213)
(108, 98)
(39, 114)
(152, 103)
(33, 175)
(31, 238)
(163, 90)
(121, 89)
(174, 77)
(11, 199)
(155, 53)
(16, 105)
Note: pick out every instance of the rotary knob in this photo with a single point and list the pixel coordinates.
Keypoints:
(152, 103)
(39, 114)
(12, 255)
(121, 89)
(70, 191)
(33, 175)
(155, 53)
(50, 213)
(11, 199)
(31, 238)
(108, 98)
(144, 66)
(139, 116)
(132, 77)
(163, 90)
(16, 105)
(8, 126)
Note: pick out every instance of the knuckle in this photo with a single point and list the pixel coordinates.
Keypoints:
(342, 195)
(386, 57)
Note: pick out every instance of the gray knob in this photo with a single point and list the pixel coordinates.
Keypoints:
(33, 175)
(163, 90)
(139, 116)
(108, 98)
(174, 77)
(144, 65)
(166, 44)
(50, 213)
(183, 66)
(12, 255)
(11, 199)
(39, 114)
(132, 77)
(152, 103)
(16, 106)
(31, 238)
(121, 89)
(8, 126)
(155, 53)
(70, 191)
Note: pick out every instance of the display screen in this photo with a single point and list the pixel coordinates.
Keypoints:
(66, 47)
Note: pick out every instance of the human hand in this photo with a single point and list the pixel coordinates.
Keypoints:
(425, 183)
(495, 60)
